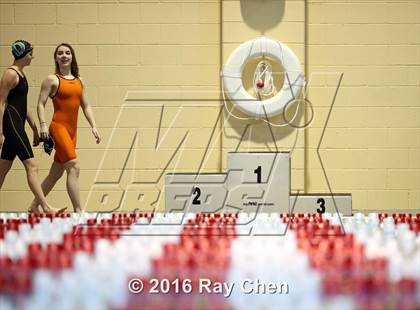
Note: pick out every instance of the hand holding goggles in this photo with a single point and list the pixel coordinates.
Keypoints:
(48, 145)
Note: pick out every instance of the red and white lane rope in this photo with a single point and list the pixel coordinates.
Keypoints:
(86, 261)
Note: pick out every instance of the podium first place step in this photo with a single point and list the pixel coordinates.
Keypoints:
(254, 182)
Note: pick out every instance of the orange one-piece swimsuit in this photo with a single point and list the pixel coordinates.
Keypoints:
(63, 128)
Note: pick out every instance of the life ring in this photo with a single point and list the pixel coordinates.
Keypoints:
(232, 77)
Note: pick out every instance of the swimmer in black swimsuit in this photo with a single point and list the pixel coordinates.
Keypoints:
(13, 113)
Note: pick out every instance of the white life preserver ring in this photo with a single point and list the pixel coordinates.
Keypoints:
(232, 77)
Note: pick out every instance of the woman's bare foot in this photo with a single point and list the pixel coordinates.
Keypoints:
(49, 209)
(34, 209)
(79, 210)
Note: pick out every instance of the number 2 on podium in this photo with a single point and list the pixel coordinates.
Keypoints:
(197, 193)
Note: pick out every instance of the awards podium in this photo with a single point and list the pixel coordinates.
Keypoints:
(253, 182)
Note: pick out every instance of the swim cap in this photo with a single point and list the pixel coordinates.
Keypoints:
(20, 48)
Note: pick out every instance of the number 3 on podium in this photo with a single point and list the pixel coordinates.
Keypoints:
(321, 208)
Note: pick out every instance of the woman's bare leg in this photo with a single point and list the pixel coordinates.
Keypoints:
(73, 170)
(56, 171)
(5, 166)
(32, 176)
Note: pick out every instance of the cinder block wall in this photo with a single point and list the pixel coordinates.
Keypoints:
(132, 50)
(284, 21)
(166, 48)
(371, 146)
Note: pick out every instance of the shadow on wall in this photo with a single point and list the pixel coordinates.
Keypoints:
(262, 15)
(259, 131)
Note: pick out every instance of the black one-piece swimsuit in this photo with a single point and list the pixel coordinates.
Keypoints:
(16, 141)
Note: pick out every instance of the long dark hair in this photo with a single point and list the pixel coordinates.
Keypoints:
(74, 67)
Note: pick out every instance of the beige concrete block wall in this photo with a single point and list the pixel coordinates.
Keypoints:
(132, 50)
(132, 46)
(281, 20)
(371, 147)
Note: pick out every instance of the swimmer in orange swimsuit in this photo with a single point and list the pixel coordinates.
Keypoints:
(66, 90)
